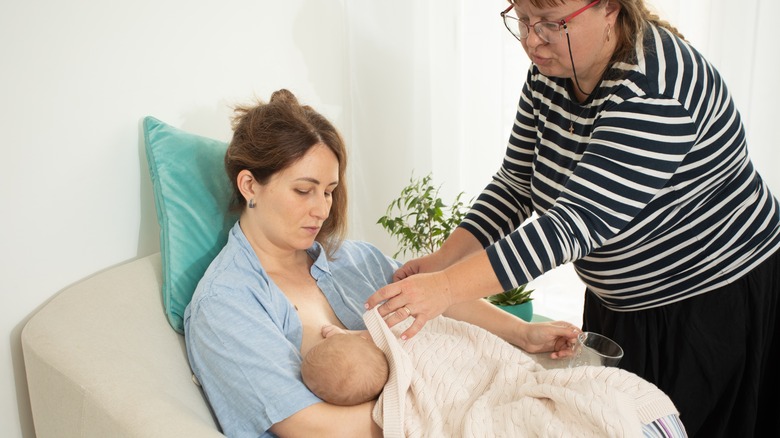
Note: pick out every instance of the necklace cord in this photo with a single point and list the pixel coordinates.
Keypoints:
(576, 80)
(571, 58)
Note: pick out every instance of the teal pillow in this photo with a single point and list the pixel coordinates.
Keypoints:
(191, 194)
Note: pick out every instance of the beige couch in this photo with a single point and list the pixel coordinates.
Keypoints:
(102, 361)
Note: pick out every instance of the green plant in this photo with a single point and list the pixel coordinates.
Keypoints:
(420, 221)
(512, 297)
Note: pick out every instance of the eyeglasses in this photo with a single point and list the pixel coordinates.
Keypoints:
(548, 31)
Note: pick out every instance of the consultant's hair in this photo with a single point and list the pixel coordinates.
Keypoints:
(345, 370)
(632, 19)
(270, 137)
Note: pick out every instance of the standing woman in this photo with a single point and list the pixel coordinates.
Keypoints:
(629, 148)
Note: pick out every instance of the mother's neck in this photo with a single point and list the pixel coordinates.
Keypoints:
(274, 258)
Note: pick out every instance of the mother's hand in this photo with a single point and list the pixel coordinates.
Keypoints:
(559, 337)
(421, 296)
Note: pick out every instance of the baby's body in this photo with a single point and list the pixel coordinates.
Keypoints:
(346, 368)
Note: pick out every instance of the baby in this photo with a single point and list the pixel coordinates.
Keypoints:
(346, 368)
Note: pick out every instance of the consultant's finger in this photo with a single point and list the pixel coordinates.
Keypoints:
(394, 318)
(404, 271)
(381, 295)
(399, 275)
(390, 306)
(417, 325)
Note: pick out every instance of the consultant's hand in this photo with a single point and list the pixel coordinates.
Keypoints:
(421, 296)
(559, 337)
(428, 263)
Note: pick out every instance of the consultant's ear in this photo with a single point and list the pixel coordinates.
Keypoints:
(612, 9)
(246, 184)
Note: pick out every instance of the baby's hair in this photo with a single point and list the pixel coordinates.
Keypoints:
(335, 373)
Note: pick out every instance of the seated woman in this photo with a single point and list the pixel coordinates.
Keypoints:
(286, 271)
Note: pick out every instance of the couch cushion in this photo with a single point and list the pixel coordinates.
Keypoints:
(192, 193)
(102, 361)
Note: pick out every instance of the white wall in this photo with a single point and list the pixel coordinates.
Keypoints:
(76, 79)
(414, 86)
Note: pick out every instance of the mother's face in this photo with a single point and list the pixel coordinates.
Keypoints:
(292, 206)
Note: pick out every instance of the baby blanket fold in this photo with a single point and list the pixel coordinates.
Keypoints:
(454, 379)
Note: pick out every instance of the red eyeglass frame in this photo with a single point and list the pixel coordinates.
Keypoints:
(562, 22)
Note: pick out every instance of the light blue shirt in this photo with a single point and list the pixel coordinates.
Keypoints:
(243, 335)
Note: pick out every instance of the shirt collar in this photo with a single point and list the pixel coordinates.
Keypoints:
(318, 254)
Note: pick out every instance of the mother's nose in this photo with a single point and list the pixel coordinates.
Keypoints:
(321, 207)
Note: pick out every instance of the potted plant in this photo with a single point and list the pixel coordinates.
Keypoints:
(516, 301)
(420, 221)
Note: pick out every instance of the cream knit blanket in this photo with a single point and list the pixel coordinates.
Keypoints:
(454, 379)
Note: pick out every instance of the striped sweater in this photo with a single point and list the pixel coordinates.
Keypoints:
(653, 196)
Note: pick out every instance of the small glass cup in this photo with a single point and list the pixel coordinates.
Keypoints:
(595, 350)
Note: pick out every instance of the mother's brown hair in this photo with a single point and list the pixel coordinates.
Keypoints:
(270, 137)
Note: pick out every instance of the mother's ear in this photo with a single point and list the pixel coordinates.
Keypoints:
(246, 185)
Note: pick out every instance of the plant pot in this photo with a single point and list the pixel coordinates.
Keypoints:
(523, 311)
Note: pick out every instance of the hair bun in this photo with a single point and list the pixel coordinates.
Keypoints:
(284, 96)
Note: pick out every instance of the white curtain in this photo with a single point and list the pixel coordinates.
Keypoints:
(434, 86)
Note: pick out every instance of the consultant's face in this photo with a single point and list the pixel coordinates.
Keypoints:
(296, 201)
(552, 58)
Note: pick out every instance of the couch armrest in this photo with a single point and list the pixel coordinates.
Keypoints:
(102, 360)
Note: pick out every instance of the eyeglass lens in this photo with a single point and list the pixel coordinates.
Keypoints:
(549, 31)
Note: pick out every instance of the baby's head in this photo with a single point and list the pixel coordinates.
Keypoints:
(345, 369)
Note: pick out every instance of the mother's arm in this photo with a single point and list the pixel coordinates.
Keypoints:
(247, 358)
(556, 337)
(326, 420)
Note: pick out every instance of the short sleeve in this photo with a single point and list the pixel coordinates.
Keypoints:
(240, 350)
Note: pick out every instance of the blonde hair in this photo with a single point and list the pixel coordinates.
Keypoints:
(345, 370)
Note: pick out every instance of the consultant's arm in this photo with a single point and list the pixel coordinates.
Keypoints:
(428, 295)
(459, 245)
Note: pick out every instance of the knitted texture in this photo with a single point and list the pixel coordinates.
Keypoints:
(458, 380)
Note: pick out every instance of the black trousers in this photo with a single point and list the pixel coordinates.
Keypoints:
(716, 355)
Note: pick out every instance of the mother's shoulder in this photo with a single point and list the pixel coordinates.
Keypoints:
(359, 252)
(359, 245)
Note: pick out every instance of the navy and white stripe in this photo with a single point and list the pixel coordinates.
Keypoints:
(653, 197)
